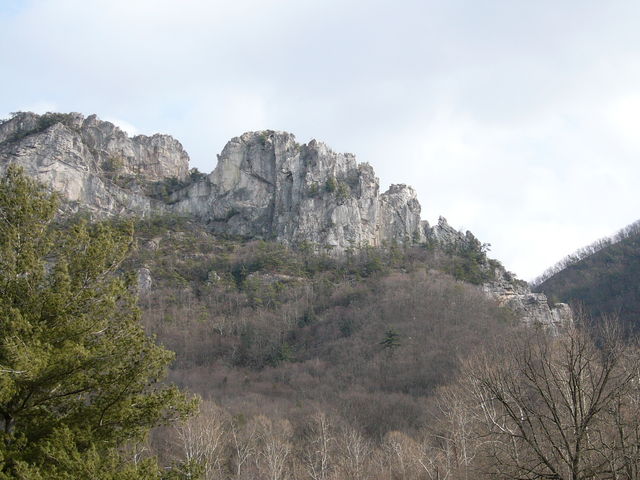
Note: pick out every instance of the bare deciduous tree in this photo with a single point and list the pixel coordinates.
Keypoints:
(274, 447)
(558, 407)
(354, 451)
(203, 439)
(243, 436)
(318, 447)
(401, 453)
(450, 447)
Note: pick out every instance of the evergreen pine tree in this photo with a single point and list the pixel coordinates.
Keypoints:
(391, 340)
(79, 379)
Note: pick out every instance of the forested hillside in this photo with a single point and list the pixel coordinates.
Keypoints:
(268, 333)
(369, 335)
(604, 277)
(378, 364)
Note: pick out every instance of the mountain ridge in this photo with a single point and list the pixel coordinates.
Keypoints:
(601, 278)
(265, 185)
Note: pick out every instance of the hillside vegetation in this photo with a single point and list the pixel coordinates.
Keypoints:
(261, 329)
(260, 312)
(377, 364)
(604, 278)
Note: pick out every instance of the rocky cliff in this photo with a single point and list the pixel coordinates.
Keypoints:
(532, 307)
(94, 164)
(265, 185)
(510, 292)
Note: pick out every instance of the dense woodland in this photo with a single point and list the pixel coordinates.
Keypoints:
(368, 335)
(602, 278)
(292, 363)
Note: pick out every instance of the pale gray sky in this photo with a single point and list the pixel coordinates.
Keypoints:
(518, 120)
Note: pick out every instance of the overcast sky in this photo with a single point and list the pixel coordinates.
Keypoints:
(518, 120)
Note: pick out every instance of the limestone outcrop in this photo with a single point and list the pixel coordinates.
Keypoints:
(92, 163)
(265, 185)
(533, 308)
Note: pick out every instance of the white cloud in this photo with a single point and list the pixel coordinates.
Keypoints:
(516, 120)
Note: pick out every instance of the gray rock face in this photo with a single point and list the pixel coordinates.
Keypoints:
(264, 185)
(145, 282)
(267, 185)
(149, 158)
(18, 126)
(533, 308)
(444, 234)
(84, 158)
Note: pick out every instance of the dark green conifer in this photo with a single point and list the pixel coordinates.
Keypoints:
(79, 379)
(391, 340)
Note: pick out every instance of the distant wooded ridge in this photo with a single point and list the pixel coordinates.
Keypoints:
(584, 252)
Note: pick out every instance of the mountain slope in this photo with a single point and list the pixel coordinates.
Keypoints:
(289, 288)
(261, 326)
(604, 277)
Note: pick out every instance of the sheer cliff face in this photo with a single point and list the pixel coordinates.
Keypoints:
(266, 184)
(83, 158)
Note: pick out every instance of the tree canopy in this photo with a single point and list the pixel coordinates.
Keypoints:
(79, 379)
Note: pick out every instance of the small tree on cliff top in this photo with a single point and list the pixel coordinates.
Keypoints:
(78, 376)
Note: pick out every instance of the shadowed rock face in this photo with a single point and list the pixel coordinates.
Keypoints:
(265, 185)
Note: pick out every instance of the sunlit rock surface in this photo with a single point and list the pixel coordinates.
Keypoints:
(266, 184)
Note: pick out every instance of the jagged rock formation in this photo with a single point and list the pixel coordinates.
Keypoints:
(515, 294)
(87, 160)
(445, 234)
(265, 185)
(532, 307)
